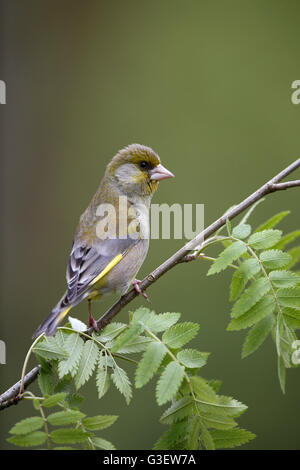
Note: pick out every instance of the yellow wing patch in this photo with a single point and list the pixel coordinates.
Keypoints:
(107, 269)
(63, 314)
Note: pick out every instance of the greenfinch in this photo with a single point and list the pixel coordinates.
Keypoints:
(112, 237)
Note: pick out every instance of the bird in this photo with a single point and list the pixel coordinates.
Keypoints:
(112, 237)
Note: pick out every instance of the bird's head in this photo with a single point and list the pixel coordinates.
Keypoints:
(137, 170)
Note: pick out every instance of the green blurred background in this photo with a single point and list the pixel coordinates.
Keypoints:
(207, 84)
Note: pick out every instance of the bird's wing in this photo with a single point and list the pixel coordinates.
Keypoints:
(89, 263)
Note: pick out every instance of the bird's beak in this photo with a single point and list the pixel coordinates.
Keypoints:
(160, 173)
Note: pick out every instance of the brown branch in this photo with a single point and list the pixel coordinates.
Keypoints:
(181, 255)
(11, 396)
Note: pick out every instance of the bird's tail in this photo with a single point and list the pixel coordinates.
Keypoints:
(51, 323)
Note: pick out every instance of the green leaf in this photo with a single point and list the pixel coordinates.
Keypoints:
(261, 309)
(138, 344)
(273, 221)
(127, 337)
(102, 376)
(295, 256)
(69, 436)
(226, 257)
(169, 382)
(103, 443)
(249, 212)
(111, 331)
(27, 425)
(44, 380)
(289, 297)
(250, 297)
(172, 436)
(193, 432)
(149, 363)
(178, 410)
(141, 315)
(242, 275)
(180, 334)
(122, 382)
(231, 437)
(33, 439)
(292, 317)
(61, 418)
(74, 347)
(49, 349)
(228, 225)
(257, 335)
(265, 239)
(87, 363)
(273, 259)
(215, 384)
(203, 389)
(284, 278)
(290, 237)
(191, 358)
(54, 400)
(281, 373)
(206, 438)
(241, 231)
(161, 322)
(99, 422)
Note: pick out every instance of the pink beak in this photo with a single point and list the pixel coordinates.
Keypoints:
(160, 173)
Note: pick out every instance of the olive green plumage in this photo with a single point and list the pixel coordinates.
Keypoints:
(101, 263)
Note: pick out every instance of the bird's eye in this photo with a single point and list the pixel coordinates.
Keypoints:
(143, 165)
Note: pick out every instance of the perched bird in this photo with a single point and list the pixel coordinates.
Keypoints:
(112, 237)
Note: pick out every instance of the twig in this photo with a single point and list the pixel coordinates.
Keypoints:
(10, 397)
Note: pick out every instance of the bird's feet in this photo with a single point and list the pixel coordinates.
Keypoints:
(92, 323)
(136, 286)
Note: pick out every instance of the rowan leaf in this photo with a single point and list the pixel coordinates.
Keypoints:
(87, 363)
(27, 425)
(149, 363)
(250, 297)
(265, 239)
(169, 382)
(257, 335)
(231, 437)
(261, 309)
(74, 347)
(122, 382)
(242, 275)
(273, 259)
(227, 256)
(273, 221)
(191, 358)
(180, 334)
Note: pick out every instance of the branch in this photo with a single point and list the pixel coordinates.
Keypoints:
(12, 395)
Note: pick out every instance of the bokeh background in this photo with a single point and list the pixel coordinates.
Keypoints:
(207, 84)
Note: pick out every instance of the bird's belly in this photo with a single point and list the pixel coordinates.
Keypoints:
(121, 276)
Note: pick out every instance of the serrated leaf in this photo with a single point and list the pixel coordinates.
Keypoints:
(257, 335)
(292, 317)
(289, 297)
(178, 410)
(27, 440)
(206, 438)
(69, 436)
(295, 257)
(169, 382)
(74, 346)
(265, 239)
(261, 309)
(138, 344)
(50, 349)
(54, 400)
(215, 384)
(99, 422)
(111, 331)
(77, 325)
(122, 382)
(162, 322)
(241, 231)
(281, 373)
(231, 406)
(193, 433)
(250, 297)
(242, 275)
(127, 337)
(103, 443)
(203, 390)
(27, 425)
(226, 257)
(172, 436)
(44, 380)
(102, 376)
(228, 226)
(87, 363)
(231, 437)
(61, 418)
(149, 363)
(273, 221)
(273, 259)
(141, 315)
(284, 278)
(191, 358)
(286, 239)
(180, 334)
